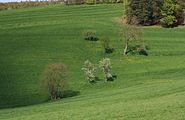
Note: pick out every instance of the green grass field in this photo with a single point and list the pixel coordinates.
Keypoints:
(146, 88)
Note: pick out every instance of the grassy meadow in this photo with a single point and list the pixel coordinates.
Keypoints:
(146, 88)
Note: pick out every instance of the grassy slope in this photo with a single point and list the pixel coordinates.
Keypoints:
(147, 87)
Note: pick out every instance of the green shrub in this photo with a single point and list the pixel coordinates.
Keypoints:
(168, 21)
(138, 49)
(106, 45)
(90, 35)
(55, 80)
(142, 50)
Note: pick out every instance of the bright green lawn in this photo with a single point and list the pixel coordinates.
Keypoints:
(147, 88)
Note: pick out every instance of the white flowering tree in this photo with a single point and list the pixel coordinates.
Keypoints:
(89, 70)
(105, 65)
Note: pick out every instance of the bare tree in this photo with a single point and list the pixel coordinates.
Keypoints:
(55, 80)
(130, 33)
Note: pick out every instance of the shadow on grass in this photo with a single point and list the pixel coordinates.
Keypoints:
(111, 79)
(114, 76)
(98, 79)
(69, 93)
(109, 50)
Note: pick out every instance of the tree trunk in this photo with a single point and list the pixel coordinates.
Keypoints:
(125, 49)
(95, 2)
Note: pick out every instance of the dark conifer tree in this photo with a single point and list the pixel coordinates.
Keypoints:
(144, 12)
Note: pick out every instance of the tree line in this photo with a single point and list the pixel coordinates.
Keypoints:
(17, 5)
(27, 4)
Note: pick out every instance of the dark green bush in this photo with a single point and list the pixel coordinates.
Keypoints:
(109, 50)
(142, 50)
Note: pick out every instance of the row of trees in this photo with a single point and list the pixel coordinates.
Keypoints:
(92, 1)
(168, 13)
(131, 35)
(55, 80)
(17, 5)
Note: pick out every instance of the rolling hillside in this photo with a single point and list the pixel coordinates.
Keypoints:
(146, 88)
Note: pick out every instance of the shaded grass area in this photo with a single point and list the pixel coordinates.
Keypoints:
(146, 87)
(114, 104)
